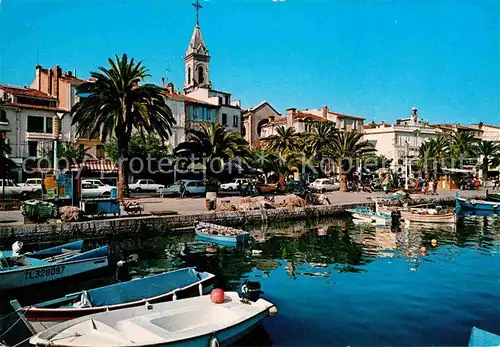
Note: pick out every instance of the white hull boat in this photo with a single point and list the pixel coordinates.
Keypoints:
(188, 322)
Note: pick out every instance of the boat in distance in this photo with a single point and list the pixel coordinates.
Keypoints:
(21, 270)
(163, 287)
(189, 322)
(220, 234)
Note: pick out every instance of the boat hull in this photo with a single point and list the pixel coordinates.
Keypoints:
(480, 338)
(42, 317)
(30, 275)
(220, 239)
(483, 205)
(430, 218)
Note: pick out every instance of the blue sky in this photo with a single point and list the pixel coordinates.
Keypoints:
(371, 58)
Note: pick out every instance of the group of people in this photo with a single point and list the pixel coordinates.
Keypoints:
(428, 187)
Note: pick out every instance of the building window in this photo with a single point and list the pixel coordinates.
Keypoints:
(213, 115)
(48, 125)
(36, 124)
(189, 75)
(235, 121)
(3, 116)
(32, 148)
(201, 77)
(224, 119)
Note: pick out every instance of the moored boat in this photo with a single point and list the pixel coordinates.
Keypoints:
(20, 270)
(189, 322)
(219, 234)
(480, 338)
(422, 215)
(163, 287)
(495, 197)
(370, 216)
(473, 204)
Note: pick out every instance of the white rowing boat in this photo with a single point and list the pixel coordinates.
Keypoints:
(188, 322)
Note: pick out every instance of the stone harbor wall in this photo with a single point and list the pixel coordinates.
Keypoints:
(154, 225)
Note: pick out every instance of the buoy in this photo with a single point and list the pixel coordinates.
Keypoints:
(213, 342)
(217, 296)
(423, 250)
(434, 242)
(273, 310)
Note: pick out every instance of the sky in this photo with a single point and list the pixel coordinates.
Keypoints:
(370, 58)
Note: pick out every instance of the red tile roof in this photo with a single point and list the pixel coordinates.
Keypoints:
(342, 115)
(34, 107)
(73, 79)
(188, 99)
(301, 115)
(21, 91)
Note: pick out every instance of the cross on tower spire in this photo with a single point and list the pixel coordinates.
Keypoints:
(197, 6)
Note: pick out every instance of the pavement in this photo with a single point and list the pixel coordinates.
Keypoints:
(192, 205)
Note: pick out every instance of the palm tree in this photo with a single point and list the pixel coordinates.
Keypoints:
(426, 154)
(216, 145)
(117, 104)
(441, 150)
(347, 147)
(285, 140)
(320, 140)
(490, 155)
(463, 145)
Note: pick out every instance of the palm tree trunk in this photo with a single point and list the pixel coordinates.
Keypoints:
(123, 178)
(427, 173)
(343, 181)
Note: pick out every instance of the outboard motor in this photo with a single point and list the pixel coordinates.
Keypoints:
(250, 291)
(122, 273)
(16, 248)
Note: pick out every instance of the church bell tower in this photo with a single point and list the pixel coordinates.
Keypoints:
(197, 59)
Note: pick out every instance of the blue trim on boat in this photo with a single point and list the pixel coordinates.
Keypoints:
(481, 338)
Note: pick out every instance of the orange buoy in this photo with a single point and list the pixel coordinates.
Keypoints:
(434, 242)
(217, 296)
(423, 250)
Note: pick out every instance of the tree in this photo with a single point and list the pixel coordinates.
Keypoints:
(490, 155)
(426, 154)
(140, 146)
(441, 149)
(464, 145)
(68, 154)
(348, 147)
(285, 140)
(320, 140)
(217, 146)
(117, 104)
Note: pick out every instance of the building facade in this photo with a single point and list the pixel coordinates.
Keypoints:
(254, 119)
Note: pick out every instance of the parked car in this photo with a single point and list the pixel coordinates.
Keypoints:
(292, 186)
(325, 185)
(145, 185)
(193, 187)
(90, 190)
(234, 185)
(11, 189)
(97, 182)
(266, 188)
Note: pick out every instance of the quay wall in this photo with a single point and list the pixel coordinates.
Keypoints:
(154, 225)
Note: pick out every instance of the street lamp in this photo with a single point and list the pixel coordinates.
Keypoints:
(406, 164)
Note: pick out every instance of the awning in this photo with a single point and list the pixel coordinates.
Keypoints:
(452, 170)
(103, 166)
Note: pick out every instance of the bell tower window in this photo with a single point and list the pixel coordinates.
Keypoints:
(201, 77)
(189, 75)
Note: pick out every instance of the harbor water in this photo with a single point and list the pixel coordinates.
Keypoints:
(338, 283)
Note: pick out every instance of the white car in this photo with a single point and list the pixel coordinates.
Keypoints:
(90, 190)
(97, 183)
(11, 189)
(235, 184)
(325, 185)
(145, 185)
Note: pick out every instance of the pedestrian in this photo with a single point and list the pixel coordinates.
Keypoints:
(435, 186)
(182, 189)
(430, 188)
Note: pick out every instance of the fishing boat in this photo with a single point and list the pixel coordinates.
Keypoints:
(369, 216)
(189, 322)
(20, 270)
(163, 287)
(472, 204)
(219, 234)
(422, 214)
(480, 338)
(493, 196)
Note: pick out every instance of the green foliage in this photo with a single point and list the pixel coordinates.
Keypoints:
(67, 153)
(140, 146)
(490, 154)
(285, 140)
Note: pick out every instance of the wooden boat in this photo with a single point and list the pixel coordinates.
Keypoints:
(20, 270)
(422, 215)
(370, 216)
(480, 338)
(495, 197)
(163, 287)
(189, 322)
(472, 204)
(219, 234)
